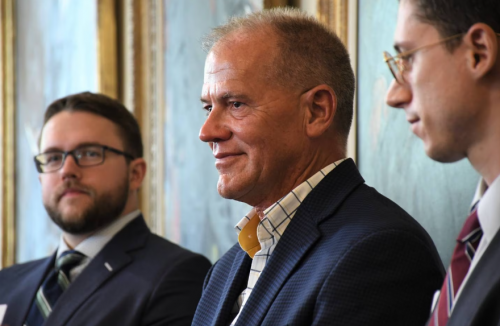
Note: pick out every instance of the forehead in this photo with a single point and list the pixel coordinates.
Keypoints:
(240, 56)
(68, 129)
(410, 28)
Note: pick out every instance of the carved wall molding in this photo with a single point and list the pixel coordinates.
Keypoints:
(7, 133)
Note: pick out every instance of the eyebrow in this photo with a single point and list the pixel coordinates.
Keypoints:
(229, 95)
(57, 149)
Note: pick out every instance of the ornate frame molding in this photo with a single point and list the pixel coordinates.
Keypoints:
(143, 76)
(7, 133)
(107, 44)
(342, 17)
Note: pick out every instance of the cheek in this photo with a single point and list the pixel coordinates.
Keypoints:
(49, 186)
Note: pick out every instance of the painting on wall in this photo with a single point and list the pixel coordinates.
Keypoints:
(62, 48)
(196, 216)
(390, 157)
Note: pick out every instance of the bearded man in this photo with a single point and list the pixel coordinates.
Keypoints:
(109, 269)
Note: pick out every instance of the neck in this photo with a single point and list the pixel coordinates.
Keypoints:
(295, 178)
(73, 240)
(485, 158)
(484, 155)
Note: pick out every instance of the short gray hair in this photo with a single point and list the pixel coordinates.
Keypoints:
(310, 55)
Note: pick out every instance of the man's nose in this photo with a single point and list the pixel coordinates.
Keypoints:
(70, 168)
(216, 128)
(398, 95)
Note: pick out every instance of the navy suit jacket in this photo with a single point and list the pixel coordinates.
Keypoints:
(349, 257)
(152, 282)
(479, 302)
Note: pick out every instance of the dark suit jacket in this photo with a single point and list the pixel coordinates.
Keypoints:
(349, 257)
(479, 302)
(152, 282)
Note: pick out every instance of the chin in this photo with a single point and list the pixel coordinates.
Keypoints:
(233, 191)
(443, 154)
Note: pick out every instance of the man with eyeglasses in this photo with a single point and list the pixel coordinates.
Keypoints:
(109, 269)
(447, 79)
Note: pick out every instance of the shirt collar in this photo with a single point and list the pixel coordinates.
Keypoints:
(489, 209)
(91, 246)
(252, 232)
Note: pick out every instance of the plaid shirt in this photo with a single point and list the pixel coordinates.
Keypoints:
(259, 238)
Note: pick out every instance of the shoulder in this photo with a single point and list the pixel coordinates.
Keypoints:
(366, 212)
(12, 277)
(21, 270)
(160, 251)
(220, 270)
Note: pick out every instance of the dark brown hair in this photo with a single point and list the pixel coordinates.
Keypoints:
(451, 17)
(106, 107)
(309, 55)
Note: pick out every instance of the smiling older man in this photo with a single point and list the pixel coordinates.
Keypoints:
(319, 246)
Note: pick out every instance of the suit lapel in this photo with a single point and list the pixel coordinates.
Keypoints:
(479, 285)
(235, 284)
(108, 263)
(300, 236)
(21, 304)
(288, 253)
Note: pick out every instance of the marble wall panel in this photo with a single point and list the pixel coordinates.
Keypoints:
(196, 216)
(56, 56)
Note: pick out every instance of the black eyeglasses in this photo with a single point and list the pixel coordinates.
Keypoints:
(84, 156)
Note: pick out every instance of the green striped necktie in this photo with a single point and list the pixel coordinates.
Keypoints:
(53, 286)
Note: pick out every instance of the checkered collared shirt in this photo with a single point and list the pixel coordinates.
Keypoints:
(259, 238)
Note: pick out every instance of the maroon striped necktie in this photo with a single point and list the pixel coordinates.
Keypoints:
(467, 243)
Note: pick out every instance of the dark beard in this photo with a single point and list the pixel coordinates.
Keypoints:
(106, 209)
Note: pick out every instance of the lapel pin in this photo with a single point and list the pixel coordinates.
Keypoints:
(108, 266)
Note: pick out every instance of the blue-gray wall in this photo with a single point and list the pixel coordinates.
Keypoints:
(56, 56)
(196, 216)
(390, 157)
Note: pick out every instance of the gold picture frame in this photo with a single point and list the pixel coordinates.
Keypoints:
(341, 16)
(107, 44)
(7, 134)
(142, 92)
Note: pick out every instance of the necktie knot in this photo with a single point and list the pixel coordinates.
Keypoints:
(471, 229)
(69, 260)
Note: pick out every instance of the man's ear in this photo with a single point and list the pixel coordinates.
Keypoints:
(137, 171)
(482, 49)
(321, 106)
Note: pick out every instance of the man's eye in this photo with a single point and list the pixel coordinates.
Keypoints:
(207, 108)
(53, 158)
(407, 59)
(88, 154)
(237, 105)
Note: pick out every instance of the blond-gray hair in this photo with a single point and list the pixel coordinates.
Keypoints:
(309, 55)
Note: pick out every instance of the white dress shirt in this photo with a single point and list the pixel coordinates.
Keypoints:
(91, 246)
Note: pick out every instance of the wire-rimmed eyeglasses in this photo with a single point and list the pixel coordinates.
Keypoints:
(84, 156)
(398, 64)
